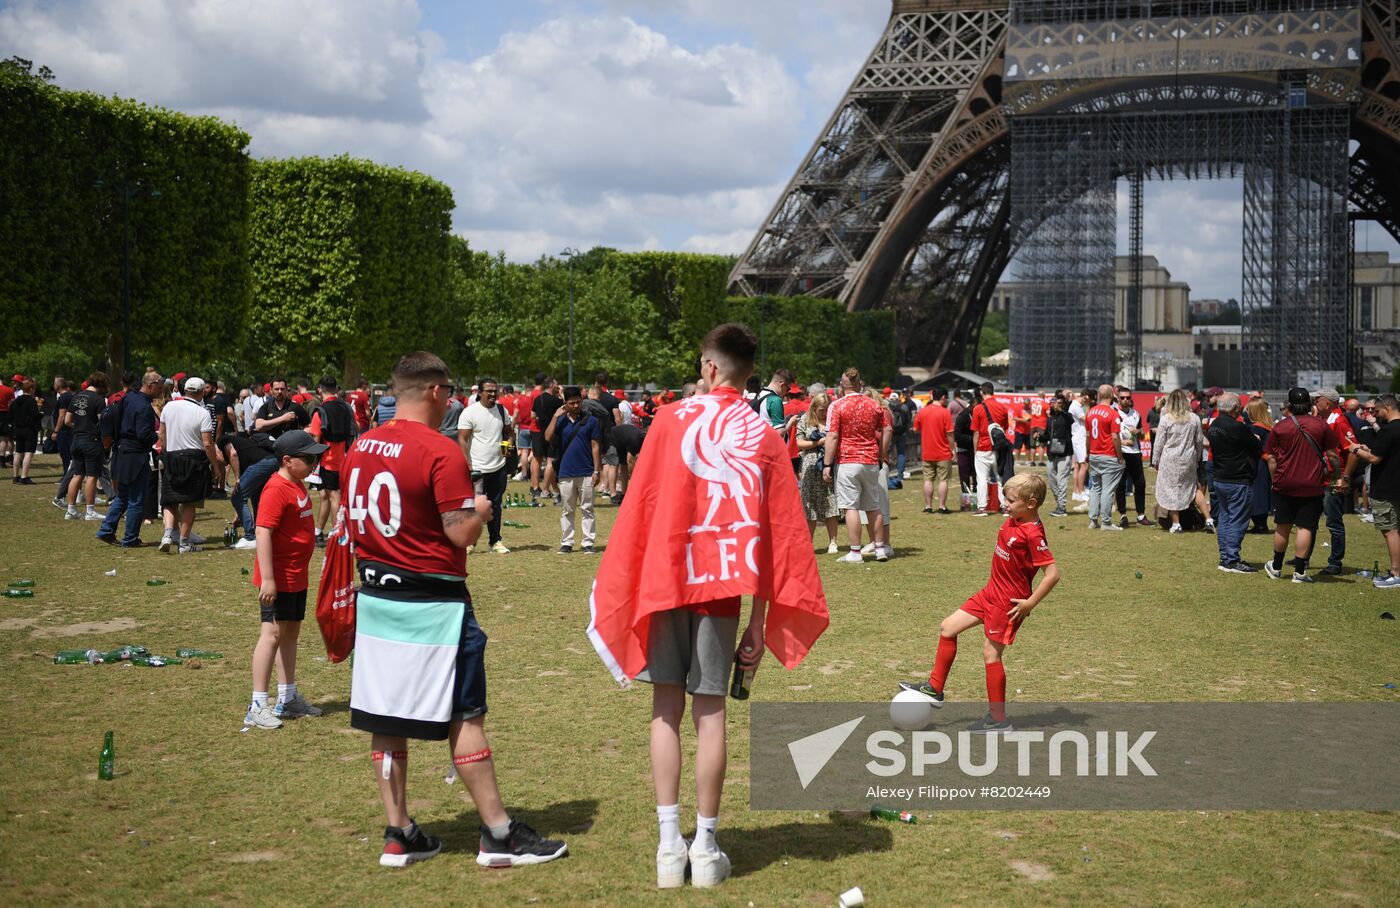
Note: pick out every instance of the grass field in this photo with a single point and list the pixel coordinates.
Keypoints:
(203, 813)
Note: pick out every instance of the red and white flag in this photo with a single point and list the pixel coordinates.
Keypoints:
(712, 512)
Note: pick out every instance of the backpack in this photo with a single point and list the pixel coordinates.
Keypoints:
(759, 398)
(902, 420)
(1000, 442)
(337, 421)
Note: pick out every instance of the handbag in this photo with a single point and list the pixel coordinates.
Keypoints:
(335, 596)
(1058, 448)
(1326, 467)
(1000, 442)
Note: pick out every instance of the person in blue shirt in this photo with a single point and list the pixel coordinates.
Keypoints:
(577, 442)
(136, 435)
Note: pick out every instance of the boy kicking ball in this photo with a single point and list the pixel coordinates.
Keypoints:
(1000, 606)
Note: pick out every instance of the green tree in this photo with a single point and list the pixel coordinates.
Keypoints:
(996, 334)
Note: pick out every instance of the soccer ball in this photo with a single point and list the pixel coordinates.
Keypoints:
(910, 710)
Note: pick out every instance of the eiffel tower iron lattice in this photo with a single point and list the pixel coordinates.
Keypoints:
(907, 198)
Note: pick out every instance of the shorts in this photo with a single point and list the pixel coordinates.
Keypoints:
(330, 480)
(525, 439)
(610, 456)
(996, 623)
(1022, 442)
(5, 425)
(26, 441)
(1081, 448)
(857, 486)
(88, 457)
(691, 650)
(1201, 478)
(1385, 513)
(539, 446)
(1038, 438)
(1300, 511)
(420, 663)
(286, 607)
(938, 471)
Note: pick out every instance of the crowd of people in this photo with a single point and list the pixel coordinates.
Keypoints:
(423, 468)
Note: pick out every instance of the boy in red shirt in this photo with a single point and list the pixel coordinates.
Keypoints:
(285, 539)
(1001, 605)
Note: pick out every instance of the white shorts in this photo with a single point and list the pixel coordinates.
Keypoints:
(884, 493)
(1081, 449)
(857, 486)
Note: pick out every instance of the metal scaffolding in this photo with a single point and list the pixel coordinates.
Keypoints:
(1294, 165)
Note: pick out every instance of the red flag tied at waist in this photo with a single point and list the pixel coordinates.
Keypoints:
(712, 512)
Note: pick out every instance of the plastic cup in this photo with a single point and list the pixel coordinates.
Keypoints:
(852, 897)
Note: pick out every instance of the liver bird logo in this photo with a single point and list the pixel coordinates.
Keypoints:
(720, 446)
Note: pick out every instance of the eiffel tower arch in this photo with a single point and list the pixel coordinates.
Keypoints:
(961, 143)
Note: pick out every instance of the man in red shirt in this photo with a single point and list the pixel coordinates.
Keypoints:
(1328, 408)
(986, 412)
(359, 400)
(7, 396)
(1302, 453)
(1021, 428)
(857, 441)
(332, 422)
(526, 427)
(420, 668)
(1101, 425)
(1040, 423)
(935, 427)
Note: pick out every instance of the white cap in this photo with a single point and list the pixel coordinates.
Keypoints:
(194, 385)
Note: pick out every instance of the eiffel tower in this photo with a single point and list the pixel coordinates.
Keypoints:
(979, 131)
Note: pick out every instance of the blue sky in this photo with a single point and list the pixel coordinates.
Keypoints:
(638, 124)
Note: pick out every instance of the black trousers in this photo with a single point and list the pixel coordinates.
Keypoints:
(1132, 472)
(493, 486)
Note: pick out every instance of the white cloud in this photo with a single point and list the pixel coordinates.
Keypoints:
(580, 130)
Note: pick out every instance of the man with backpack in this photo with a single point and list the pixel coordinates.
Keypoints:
(332, 423)
(768, 403)
(902, 410)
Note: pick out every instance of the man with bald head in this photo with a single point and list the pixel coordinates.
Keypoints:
(1102, 425)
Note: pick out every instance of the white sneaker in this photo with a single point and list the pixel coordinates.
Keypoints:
(261, 717)
(93, 515)
(868, 549)
(1176, 528)
(244, 543)
(1112, 527)
(833, 549)
(850, 558)
(72, 514)
(500, 549)
(883, 552)
(168, 543)
(708, 868)
(187, 548)
(670, 866)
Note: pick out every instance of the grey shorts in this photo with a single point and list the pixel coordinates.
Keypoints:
(610, 456)
(691, 650)
(858, 486)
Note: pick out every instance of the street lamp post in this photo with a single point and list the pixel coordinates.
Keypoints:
(569, 253)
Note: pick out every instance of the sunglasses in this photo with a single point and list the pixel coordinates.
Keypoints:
(450, 389)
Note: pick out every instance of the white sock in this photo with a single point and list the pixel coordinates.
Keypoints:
(670, 819)
(259, 698)
(501, 831)
(286, 692)
(705, 833)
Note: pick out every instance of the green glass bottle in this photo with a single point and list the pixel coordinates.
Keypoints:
(77, 657)
(885, 812)
(187, 653)
(743, 680)
(156, 581)
(17, 594)
(21, 583)
(107, 762)
(154, 661)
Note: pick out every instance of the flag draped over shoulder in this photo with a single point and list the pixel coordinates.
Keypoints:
(712, 512)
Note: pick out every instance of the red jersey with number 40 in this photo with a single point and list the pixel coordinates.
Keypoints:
(1021, 550)
(397, 482)
(1102, 424)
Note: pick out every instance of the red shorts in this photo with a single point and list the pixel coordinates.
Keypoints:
(996, 623)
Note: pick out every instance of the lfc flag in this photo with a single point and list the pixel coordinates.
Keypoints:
(712, 512)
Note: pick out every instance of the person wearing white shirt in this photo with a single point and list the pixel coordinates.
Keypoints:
(482, 428)
(251, 405)
(1080, 442)
(187, 440)
(1130, 434)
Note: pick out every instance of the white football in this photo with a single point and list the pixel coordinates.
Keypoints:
(910, 710)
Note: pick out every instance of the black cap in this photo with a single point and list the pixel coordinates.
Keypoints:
(1299, 397)
(297, 441)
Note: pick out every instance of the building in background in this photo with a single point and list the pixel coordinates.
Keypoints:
(1375, 313)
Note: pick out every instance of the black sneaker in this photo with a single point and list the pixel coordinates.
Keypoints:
(407, 846)
(1239, 567)
(566, 550)
(1332, 570)
(588, 550)
(944, 511)
(1123, 521)
(521, 846)
(935, 698)
(987, 724)
(928, 510)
